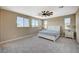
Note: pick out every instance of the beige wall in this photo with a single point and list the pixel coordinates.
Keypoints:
(8, 29)
(59, 21)
(77, 25)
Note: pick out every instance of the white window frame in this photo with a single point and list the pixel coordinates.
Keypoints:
(21, 21)
(45, 24)
(35, 23)
(67, 22)
(27, 22)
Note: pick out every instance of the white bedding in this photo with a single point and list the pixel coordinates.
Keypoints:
(49, 32)
(53, 32)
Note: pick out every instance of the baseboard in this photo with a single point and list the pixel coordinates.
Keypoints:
(16, 39)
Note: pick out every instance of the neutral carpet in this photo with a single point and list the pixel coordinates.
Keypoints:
(41, 45)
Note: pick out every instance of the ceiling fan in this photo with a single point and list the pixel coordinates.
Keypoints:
(46, 13)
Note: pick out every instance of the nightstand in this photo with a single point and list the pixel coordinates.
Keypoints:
(69, 33)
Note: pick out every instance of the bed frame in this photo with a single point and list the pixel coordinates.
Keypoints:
(57, 28)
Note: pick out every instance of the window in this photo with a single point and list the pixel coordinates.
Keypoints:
(26, 22)
(40, 23)
(45, 24)
(22, 22)
(67, 23)
(35, 23)
(19, 21)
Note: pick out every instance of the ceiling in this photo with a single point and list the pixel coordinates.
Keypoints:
(35, 11)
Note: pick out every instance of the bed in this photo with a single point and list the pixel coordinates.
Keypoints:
(51, 33)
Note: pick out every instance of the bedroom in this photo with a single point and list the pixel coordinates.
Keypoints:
(25, 36)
